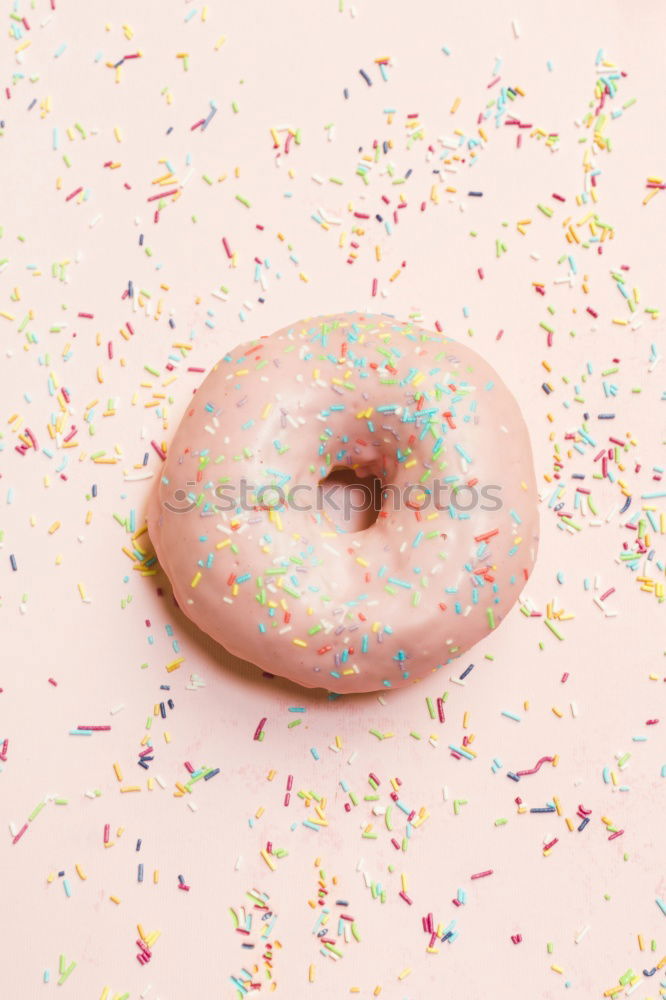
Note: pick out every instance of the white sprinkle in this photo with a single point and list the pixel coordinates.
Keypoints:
(137, 477)
(579, 937)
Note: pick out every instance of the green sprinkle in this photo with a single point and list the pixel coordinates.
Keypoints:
(36, 811)
(66, 973)
(552, 628)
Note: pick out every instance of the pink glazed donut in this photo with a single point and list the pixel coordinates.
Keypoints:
(349, 503)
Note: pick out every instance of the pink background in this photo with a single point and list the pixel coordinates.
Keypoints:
(294, 59)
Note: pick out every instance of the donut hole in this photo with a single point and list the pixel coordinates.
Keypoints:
(351, 501)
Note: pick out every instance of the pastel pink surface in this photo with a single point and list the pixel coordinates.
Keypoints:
(294, 59)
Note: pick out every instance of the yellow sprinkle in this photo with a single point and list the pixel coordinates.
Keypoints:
(557, 968)
(311, 974)
(131, 788)
(114, 899)
(80, 872)
(119, 773)
(268, 859)
(175, 664)
(405, 972)
(197, 577)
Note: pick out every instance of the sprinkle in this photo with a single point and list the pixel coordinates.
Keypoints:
(511, 715)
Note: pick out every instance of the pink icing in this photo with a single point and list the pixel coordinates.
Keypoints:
(312, 595)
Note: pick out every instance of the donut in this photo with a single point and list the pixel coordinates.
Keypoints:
(349, 503)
